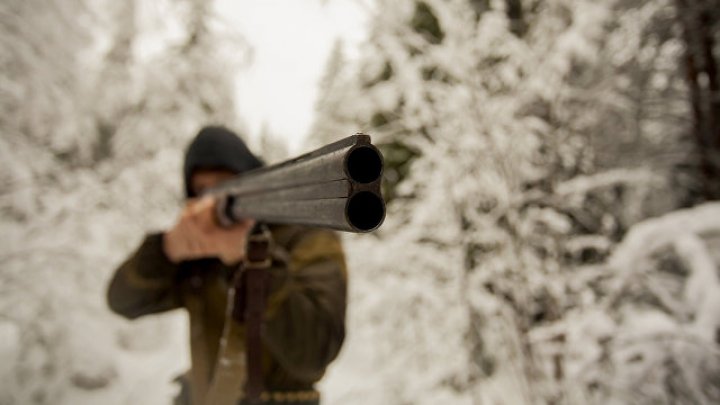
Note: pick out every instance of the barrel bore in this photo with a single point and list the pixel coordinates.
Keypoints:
(364, 165)
(365, 211)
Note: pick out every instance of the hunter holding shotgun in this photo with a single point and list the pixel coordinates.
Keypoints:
(266, 304)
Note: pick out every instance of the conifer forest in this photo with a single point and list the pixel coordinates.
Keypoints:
(552, 177)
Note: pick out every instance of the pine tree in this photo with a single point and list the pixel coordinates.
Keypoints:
(94, 136)
(518, 139)
(332, 129)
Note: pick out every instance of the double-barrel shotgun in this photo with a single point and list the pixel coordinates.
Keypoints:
(337, 186)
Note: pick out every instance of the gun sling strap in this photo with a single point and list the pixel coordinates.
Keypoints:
(257, 262)
(241, 367)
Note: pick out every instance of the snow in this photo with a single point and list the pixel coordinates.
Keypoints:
(650, 236)
(536, 251)
(701, 289)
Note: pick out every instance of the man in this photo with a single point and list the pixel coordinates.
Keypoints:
(189, 266)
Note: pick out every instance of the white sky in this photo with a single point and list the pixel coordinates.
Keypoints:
(291, 42)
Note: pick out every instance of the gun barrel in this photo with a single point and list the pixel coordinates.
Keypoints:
(337, 186)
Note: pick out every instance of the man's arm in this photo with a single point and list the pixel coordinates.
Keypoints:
(305, 322)
(146, 282)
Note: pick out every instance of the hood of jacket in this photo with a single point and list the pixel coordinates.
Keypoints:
(216, 147)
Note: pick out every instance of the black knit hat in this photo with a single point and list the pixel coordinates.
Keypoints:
(217, 148)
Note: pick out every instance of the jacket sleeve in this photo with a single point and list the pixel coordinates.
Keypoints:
(145, 283)
(305, 320)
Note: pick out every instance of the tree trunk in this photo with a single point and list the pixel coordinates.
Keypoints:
(514, 10)
(700, 23)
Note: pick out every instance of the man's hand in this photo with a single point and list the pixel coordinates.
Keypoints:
(198, 235)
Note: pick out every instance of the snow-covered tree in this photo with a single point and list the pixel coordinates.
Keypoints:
(330, 129)
(94, 129)
(521, 142)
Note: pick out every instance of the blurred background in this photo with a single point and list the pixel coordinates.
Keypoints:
(551, 170)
